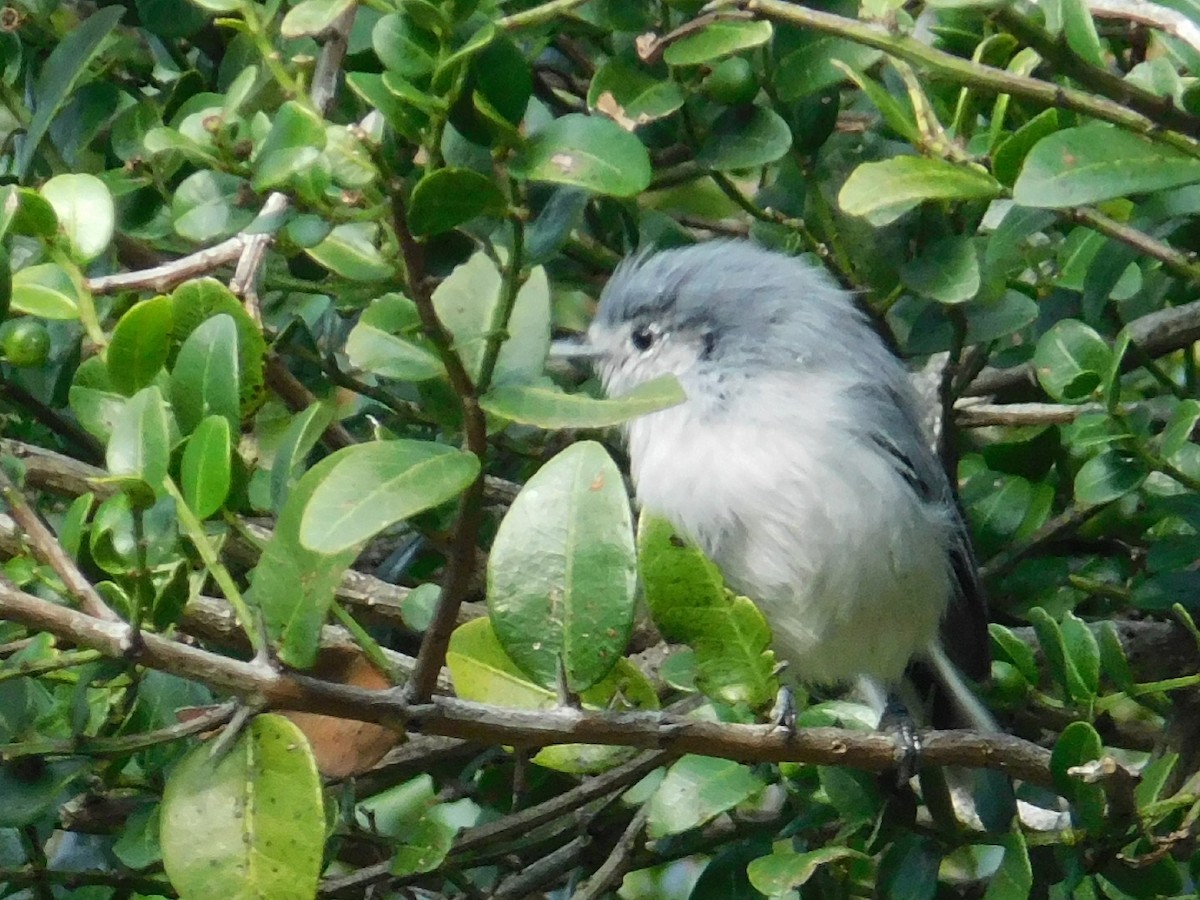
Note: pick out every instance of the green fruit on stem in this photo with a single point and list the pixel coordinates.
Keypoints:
(25, 342)
(732, 82)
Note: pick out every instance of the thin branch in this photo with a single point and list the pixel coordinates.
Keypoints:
(973, 414)
(83, 745)
(612, 871)
(450, 717)
(460, 564)
(971, 74)
(47, 549)
(1157, 334)
(1182, 265)
(1054, 529)
(1163, 18)
(161, 279)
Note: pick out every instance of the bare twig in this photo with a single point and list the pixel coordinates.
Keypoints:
(969, 414)
(47, 548)
(160, 279)
(1163, 18)
(1182, 265)
(618, 862)
(460, 565)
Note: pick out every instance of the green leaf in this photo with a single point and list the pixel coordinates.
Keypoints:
(140, 343)
(296, 139)
(205, 470)
(689, 603)
(68, 61)
(785, 870)
(206, 206)
(897, 114)
(1177, 433)
(350, 251)
(1013, 880)
(310, 18)
(743, 138)
(548, 407)
(1080, 32)
(1071, 361)
(1010, 155)
(641, 94)
(590, 152)
(45, 291)
(563, 570)
(1107, 477)
(292, 585)
(195, 302)
(299, 439)
(85, 211)
(1015, 650)
(377, 343)
(446, 198)
(369, 487)
(812, 66)
(141, 439)
(1083, 653)
(204, 380)
(695, 790)
(1078, 744)
(249, 824)
(1098, 162)
(947, 271)
(718, 38)
(882, 192)
(483, 673)
(403, 47)
(1112, 657)
(391, 98)
(426, 843)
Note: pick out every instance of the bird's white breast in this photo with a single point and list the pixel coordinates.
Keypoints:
(844, 559)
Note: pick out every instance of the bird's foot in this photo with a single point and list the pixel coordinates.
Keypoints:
(897, 722)
(783, 710)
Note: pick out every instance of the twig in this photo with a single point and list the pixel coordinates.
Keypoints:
(537, 15)
(1064, 523)
(161, 279)
(87, 446)
(1161, 17)
(47, 549)
(84, 745)
(460, 564)
(491, 725)
(971, 74)
(1182, 265)
(610, 873)
(1156, 333)
(969, 414)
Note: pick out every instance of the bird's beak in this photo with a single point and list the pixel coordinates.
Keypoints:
(575, 349)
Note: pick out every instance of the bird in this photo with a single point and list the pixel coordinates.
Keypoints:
(798, 464)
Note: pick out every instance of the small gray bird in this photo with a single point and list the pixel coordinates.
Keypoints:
(798, 463)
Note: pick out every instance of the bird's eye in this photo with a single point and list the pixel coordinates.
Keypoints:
(643, 338)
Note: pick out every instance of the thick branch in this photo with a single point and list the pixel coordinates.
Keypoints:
(273, 689)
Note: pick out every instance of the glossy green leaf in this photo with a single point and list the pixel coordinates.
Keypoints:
(812, 66)
(194, 303)
(403, 47)
(1013, 880)
(377, 343)
(1010, 155)
(371, 486)
(743, 138)
(638, 92)
(293, 144)
(696, 790)
(301, 436)
(1071, 361)
(1112, 657)
(483, 672)
(312, 17)
(1108, 476)
(1080, 32)
(204, 380)
(67, 63)
(467, 302)
(46, 291)
(785, 870)
(1097, 162)
(446, 198)
(141, 439)
(882, 192)
(249, 824)
(1019, 653)
(1083, 652)
(1178, 431)
(207, 206)
(590, 152)
(85, 210)
(562, 570)
(350, 251)
(292, 585)
(205, 473)
(400, 114)
(1078, 744)
(687, 598)
(947, 271)
(716, 39)
(425, 845)
(548, 407)
(140, 343)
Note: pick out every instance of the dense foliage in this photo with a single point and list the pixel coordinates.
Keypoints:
(279, 284)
